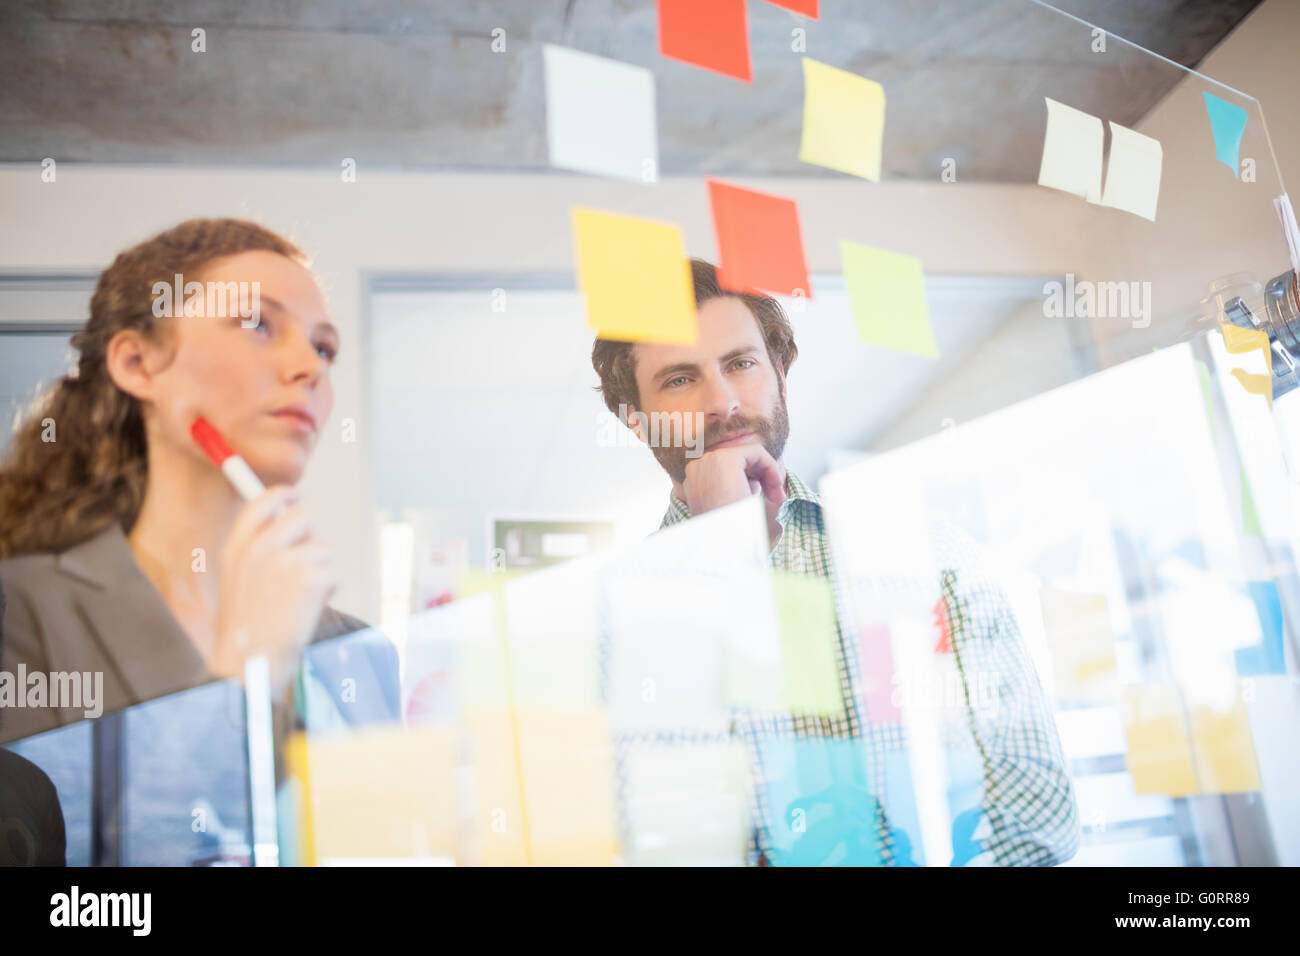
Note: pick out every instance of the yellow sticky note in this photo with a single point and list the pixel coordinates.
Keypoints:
(1072, 149)
(1133, 172)
(1239, 341)
(1224, 748)
(567, 767)
(1082, 644)
(499, 828)
(805, 609)
(887, 294)
(1159, 756)
(636, 278)
(843, 120)
(378, 794)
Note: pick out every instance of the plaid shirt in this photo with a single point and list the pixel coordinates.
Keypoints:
(1027, 797)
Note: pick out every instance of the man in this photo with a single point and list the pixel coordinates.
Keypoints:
(731, 386)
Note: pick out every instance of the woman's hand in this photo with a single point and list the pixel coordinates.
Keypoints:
(275, 580)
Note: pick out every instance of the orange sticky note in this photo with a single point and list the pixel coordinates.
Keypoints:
(760, 244)
(713, 34)
(806, 7)
(636, 278)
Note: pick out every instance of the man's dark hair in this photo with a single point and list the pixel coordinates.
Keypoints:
(615, 362)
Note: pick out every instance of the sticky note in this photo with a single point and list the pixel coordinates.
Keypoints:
(1207, 393)
(635, 277)
(1133, 172)
(806, 7)
(760, 245)
(685, 804)
(821, 806)
(1228, 124)
(712, 34)
(378, 794)
(805, 609)
(1266, 656)
(1082, 645)
(567, 768)
(600, 115)
(887, 295)
(1241, 341)
(1072, 151)
(1159, 756)
(876, 674)
(1223, 747)
(1249, 513)
(499, 826)
(843, 120)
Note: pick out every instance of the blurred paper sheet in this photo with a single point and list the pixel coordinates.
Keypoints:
(806, 611)
(1159, 756)
(567, 764)
(686, 804)
(1223, 747)
(1082, 645)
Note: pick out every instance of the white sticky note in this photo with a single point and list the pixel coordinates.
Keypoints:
(600, 115)
(1133, 172)
(1072, 151)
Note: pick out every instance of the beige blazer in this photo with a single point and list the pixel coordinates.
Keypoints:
(91, 609)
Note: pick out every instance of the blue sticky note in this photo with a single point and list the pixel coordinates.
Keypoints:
(1266, 656)
(821, 808)
(899, 798)
(1228, 120)
(965, 799)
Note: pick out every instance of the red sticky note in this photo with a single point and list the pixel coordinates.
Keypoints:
(760, 245)
(807, 7)
(708, 33)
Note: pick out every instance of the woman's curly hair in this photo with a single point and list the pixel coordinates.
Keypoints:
(78, 457)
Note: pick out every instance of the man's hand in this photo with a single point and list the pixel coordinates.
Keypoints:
(729, 474)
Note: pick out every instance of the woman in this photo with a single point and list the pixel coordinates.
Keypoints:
(123, 550)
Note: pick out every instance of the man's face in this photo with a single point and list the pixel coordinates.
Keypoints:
(727, 378)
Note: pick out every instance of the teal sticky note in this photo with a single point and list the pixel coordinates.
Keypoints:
(1228, 120)
(821, 809)
(1266, 657)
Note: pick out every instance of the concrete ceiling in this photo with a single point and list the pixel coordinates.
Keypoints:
(415, 84)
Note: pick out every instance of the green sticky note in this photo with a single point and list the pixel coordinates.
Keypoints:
(805, 608)
(1249, 514)
(887, 294)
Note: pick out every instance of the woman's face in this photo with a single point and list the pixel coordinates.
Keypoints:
(266, 387)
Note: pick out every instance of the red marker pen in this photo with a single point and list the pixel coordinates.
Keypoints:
(220, 454)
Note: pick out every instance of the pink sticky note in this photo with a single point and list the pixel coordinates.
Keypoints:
(876, 672)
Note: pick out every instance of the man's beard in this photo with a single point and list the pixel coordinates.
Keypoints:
(772, 432)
